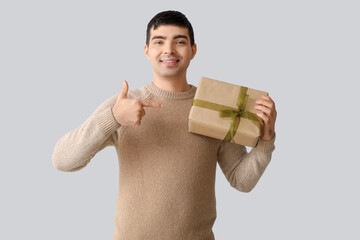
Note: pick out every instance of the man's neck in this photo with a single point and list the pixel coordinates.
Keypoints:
(172, 84)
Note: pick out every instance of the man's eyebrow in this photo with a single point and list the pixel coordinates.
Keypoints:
(181, 36)
(175, 37)
(158, 37)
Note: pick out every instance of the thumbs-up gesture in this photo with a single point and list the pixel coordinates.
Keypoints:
(130, 111)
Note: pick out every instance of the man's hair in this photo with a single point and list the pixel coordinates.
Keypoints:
(170, 18)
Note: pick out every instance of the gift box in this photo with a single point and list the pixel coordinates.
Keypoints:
(226, 111)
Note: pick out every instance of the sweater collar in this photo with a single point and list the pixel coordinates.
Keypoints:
(169, 94)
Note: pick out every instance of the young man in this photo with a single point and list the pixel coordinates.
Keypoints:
(166, 174)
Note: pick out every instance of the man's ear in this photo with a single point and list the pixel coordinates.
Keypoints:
(146, 50)
(193, 50)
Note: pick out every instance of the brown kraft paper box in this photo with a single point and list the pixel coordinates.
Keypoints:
(212, 97)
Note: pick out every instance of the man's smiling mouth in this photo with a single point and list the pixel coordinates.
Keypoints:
(169, 62)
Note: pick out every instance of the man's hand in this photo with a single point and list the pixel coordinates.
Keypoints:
(130, 111)
(267, 112)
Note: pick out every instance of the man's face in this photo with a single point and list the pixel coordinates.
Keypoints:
(169, 51)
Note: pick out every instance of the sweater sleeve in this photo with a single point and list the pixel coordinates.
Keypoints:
(242, 169)
(74, 150)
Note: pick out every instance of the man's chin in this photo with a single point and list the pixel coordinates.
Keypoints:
(170, 74)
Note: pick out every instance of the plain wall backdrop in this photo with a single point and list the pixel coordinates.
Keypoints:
(59, 60)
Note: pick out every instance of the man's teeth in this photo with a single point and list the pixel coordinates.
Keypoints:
(166, 61)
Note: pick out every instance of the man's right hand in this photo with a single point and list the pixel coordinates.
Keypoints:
(130, 111)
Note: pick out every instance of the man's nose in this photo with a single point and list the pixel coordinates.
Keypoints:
(169, 49)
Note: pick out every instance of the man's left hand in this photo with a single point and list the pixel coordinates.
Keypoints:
(267, 112)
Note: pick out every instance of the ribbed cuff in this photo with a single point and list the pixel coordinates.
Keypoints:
(107, 122)
(266, 145)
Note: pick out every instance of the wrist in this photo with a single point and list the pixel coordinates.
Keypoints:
(268, 137)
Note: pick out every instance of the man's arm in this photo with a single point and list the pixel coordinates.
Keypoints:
(243, 170)
(75, 149)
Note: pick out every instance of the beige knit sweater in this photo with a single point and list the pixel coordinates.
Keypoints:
(166, 174)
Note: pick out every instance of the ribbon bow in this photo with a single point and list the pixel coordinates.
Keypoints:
(233, 113)
(235, 116)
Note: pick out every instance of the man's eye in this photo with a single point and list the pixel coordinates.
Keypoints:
(181, 42)
(158, 42)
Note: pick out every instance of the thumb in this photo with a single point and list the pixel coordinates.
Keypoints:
(124, 90)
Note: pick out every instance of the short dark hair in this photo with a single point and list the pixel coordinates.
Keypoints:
(170, 18)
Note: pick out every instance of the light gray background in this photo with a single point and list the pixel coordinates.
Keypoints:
(61, 59)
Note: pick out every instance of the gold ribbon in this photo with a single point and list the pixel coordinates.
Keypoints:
(234, 113)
